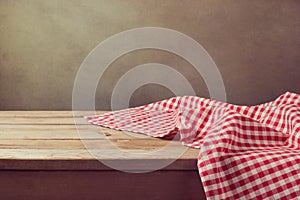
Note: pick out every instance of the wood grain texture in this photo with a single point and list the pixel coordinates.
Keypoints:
(45, 155)
(47, 114)
(43, 139)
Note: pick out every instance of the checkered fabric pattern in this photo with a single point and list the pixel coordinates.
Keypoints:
(246, 152)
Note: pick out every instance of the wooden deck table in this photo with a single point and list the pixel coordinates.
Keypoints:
(42, 156)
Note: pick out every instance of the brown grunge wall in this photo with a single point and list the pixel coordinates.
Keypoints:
(255, 45)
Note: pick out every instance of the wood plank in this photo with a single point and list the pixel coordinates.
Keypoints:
(65, 132)
(44, 159)
(41, 121)
(44, 154)
(8, 127)
(47, 114)
(83, 154)
(143, 144)
(45, 117)
(51, 135)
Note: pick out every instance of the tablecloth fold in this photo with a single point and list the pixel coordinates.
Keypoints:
(245, 152)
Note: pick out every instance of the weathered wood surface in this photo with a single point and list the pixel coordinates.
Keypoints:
(43, 139)
(45, 155)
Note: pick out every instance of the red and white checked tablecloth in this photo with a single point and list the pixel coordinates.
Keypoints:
(246, 152)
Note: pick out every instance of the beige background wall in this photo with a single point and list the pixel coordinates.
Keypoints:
(255, 45)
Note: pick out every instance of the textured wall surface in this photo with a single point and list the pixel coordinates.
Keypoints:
(255, 45)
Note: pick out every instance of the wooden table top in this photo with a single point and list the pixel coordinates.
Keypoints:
(51, 140)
